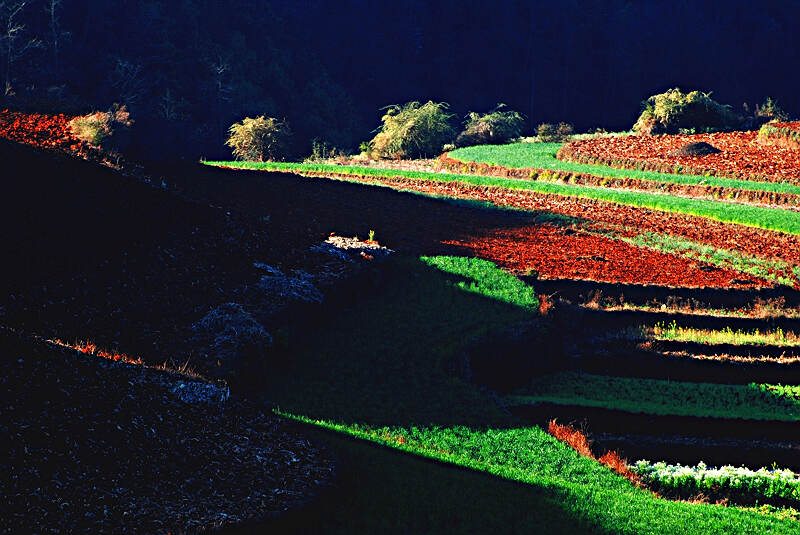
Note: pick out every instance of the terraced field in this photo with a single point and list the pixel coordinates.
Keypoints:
(687, 388)
(675, 296)
(659, 323)
(743, 155)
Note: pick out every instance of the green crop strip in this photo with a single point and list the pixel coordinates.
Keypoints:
(779, 131)
(651, 396)
(754, 216)
(543, 156)
(378, 372)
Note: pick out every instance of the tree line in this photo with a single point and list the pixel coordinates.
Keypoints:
(188, 69)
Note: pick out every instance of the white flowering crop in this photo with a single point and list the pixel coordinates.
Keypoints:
(734, 482)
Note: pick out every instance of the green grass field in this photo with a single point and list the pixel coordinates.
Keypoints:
(543, 156)
(755, 216)
(424, 451)
(651, 396)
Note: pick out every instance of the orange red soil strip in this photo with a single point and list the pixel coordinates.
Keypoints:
(791, 125)
(90, 348)
(40, 130)
(555, 252)
(742, 155)
(628, 220)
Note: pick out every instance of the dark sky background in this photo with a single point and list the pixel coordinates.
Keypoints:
(187, 69)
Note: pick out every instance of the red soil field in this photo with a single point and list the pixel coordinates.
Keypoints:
(43, 131)
(742, 155)
(556, 252)
(627, 220)
(792, 125)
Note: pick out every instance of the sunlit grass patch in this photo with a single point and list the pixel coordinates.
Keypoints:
(485, 278)
(672, 331)
(760, 308)
(658, 397)
(379, 372)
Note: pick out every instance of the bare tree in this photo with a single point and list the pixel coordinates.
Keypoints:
(57, 35)
(220, 75)
(170, 106)
(219, 71)
(127, 78)
(14, 42)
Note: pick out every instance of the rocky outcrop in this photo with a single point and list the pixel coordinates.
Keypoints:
(237, 339)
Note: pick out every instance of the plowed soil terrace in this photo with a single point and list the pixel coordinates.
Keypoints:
(41, 130)
(555, 252)
(742, 156)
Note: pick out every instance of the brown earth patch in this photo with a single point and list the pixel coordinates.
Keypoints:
(741, 157)
(555, 252)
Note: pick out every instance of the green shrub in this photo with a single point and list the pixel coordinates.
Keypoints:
(90, 128)
(673, 111)
(770, 110)
(546, 133)
(106, 129)
(260, 139)
(413, 130)
(564, 131)
(550, 133)
(498, 127)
